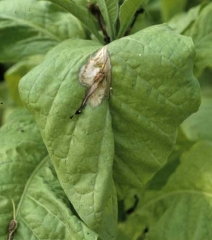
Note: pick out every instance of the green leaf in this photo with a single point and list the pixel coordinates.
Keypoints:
(198, 24)
(16, 72)
(198, 126)
(80, 12)
(171, 8)
(151, 15)
(5, 101)
(126, 15)
(145, 106)
(109, 10)
(4, 96)
(29, 27)
(81, 148)
(27, 177)
(182, 210)
(183, 21)
(161, 177)
(201, 33)
(131, 229)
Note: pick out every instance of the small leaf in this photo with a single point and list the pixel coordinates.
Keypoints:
(109, 10)
(127, 11)
(29, 27)
(41, 208)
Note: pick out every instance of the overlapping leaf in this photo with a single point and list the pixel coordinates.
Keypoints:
(29, 27)
(184, 20)
(27, 177)
(182, 208)
(81, 12)
(109, 10)
(200, 29)
(127, 11)
(146, 109)
(198, 126)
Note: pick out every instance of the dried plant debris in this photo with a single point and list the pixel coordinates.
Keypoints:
(12, 227)
(13, 224)
(96, 75)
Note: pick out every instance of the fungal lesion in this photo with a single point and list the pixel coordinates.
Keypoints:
(96, 76)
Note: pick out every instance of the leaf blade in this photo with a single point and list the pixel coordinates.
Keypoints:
(109, 10)
(198, 26)
(42, 209)
(127, 11)
(146, 108)
(186, 195)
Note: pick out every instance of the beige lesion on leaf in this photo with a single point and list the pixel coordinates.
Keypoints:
(96, 75)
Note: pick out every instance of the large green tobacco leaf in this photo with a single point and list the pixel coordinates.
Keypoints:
(27, 177)
(29, 27)
(127, 11)
(81, 12)
(153, 91)
(182, 209)
(109, 10)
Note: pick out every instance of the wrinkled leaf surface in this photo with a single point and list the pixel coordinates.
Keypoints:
(140, 119)
(27, 177)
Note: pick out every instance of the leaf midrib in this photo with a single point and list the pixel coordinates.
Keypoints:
(28, 183)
